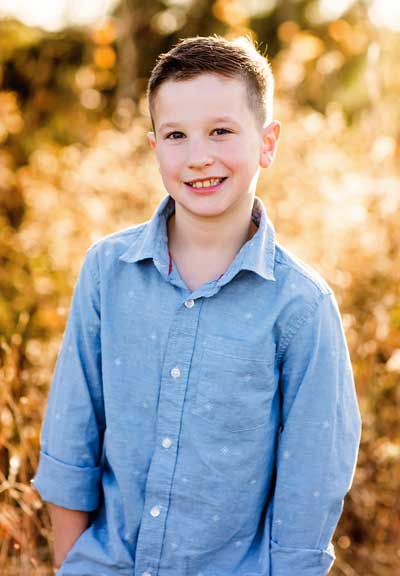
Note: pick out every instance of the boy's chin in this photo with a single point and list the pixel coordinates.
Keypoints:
(207, 208)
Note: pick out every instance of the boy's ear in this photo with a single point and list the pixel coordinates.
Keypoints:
(270, 137)
(151, 137)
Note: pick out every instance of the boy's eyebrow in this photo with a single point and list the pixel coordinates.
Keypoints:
(225, 119)
(211, 120)
(168, 125)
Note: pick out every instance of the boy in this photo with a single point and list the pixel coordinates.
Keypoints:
(202, 419)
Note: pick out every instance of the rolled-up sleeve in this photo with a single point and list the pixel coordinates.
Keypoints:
(69, 468)
(318, 443)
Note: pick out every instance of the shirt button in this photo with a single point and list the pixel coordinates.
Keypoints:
(189, 303)
(175, 372)
(146, 573)
(155, 511)
(166, 442)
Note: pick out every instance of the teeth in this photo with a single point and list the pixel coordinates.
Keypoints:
(206, 183)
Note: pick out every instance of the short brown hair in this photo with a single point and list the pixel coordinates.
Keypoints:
(216, 55)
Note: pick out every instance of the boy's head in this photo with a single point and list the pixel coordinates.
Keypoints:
(210, 101)
(238, 59)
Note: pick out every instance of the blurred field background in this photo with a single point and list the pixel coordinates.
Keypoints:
(74, 166)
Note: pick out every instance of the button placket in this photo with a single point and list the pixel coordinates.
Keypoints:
(175, 372)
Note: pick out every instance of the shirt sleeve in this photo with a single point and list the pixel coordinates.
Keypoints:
(318, 443)
(69, 472)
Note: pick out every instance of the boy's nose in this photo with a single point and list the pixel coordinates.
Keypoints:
(199, 156)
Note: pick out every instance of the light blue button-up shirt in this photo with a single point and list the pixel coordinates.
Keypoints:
(210, 433)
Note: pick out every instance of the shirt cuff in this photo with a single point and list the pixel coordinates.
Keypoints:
(300, 561)
(72, 487)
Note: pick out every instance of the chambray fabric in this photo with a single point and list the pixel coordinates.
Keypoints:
(209, 433)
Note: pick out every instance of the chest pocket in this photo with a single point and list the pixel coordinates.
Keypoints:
(235, 385)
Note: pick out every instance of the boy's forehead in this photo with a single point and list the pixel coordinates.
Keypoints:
(204, 95)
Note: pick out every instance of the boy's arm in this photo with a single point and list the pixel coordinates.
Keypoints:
(318, 444)
(69, 471)
(67, 526)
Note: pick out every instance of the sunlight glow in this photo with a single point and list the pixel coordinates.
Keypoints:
(53, 16)
(332, 10)
(385, 13)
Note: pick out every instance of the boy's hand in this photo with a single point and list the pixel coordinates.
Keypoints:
(68, 525)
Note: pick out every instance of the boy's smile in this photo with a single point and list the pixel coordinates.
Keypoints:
(206, 185)
(209, 146)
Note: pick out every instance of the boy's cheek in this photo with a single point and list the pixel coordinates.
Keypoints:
(171, 164)
(233, 155)
(170, 173)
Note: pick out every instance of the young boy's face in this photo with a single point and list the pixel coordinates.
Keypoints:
(209, 145)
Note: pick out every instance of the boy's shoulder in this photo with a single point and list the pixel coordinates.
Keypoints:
(294, 273)
(116, 243)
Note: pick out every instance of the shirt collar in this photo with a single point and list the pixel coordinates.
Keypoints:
(256, 255)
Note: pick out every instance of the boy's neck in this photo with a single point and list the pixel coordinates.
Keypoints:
(199, 235)
(203, 251)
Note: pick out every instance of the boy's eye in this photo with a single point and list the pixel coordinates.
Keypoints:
(174, 135)
(221, 131)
